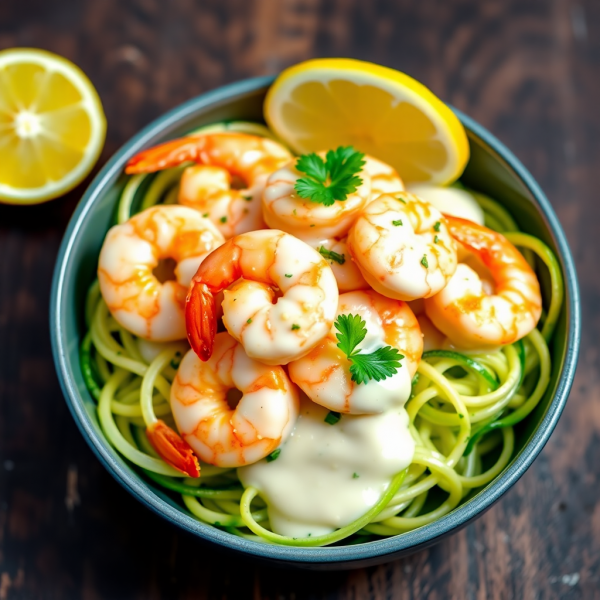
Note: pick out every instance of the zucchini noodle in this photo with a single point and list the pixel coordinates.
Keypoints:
(463, 409)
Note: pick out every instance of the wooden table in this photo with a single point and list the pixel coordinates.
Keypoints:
(529, 70)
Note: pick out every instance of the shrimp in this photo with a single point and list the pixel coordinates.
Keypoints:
(384, 179)
(347, 274)
(469, 316)
(263, 418)
(324, 376)
(274, 328)
(207, 186)
(433, 338)
(402, 247)
(284, 209)
(132, 254)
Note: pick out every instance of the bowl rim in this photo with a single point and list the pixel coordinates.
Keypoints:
(395, 545)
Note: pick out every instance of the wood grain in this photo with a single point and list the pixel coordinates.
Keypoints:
(526, 69)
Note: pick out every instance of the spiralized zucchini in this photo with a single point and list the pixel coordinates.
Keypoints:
(463, 408)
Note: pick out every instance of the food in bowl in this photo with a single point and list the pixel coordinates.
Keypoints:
(346, 429)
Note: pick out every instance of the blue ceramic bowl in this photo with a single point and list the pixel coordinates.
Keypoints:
(492, 169)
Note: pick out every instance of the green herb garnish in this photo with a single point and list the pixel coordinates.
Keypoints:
(437, 225)
(176, 360)
(424, 261)
(330, 179)
(332, 417)
(294, 327)
(436, 239)
(249, 321)
(274, 455)
(223, 219)
(396, 223)
(355, 475)
(378, 365)
(288, 275)
(331, 255)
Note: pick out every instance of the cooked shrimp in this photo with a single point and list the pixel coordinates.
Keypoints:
(384, 179)
(284, 209)
(469, 316)
(207, 187)
(226, 437)
(402, 247)
(324, 376)
(131, 254)
(347, 274)
(433, 338)
(273, 328)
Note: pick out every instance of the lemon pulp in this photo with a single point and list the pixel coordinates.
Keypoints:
(324, 103)
(52, 125)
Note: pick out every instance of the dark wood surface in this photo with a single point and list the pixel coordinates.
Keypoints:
(529, 70)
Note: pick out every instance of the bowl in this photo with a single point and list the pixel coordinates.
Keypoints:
(492, 169)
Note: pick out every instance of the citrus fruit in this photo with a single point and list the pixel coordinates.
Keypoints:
(324, 103)
(52, 126)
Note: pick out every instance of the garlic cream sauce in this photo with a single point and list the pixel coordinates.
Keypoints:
(326, 476)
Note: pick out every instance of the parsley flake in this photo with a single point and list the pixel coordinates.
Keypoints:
(247, 198)
(176, 360)
(249, 321)
(437, 225)
(332, 417)
(396, 223)
(288, 275)
(355, 475)
(331, 179)
(331, 255)
(436, 239)
(401, 200)
(274, 455)
(223, 219)
(378, 365)
(295, 327)
(424, 261)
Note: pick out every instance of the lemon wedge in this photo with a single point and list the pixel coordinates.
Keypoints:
(52, 126)
(324, 103)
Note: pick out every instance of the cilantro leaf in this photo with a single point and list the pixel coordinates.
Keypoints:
(331, 255)
(378, 365)
(332, 179)
(313, 165)
(352, 331)
(315, 191)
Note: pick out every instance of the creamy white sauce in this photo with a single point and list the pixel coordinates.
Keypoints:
(329, 475)
(451, 201)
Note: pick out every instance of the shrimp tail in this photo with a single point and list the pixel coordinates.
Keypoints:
(173, 449)
(217, 271)
(200, 319)
(164, 156)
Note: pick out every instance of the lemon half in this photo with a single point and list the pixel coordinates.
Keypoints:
(323, 103)
(52, 126)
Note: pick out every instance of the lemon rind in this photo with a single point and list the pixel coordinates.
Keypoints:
(90, 102)
(403, 87)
